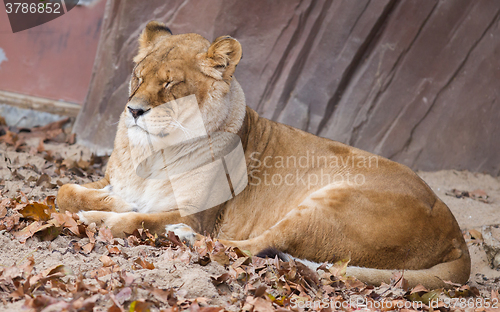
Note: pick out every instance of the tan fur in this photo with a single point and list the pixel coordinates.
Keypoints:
(391, 221)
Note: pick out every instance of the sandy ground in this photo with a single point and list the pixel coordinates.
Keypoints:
(473, 215)
(179, 269)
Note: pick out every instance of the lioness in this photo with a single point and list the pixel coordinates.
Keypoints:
(375, 212)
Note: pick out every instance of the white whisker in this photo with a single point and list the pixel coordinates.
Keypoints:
(185, 130)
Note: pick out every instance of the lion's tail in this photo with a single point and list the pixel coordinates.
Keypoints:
(455, 271)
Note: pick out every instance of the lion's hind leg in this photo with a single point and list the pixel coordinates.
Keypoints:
(295, 235)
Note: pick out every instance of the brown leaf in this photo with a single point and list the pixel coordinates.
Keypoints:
(76, 246)
(10, 138)
(40, 149)
(259, 304)
(53, 125)
(103, 271)
(139, 306)
(400, 281)
(59, 270)
(39, 302)
(105, 235)
(106, 261)
(66, 220)
(452, 283)
(44, 181)
(143, 264)
(339, 268)
(56, 135)
(133, 241)
(52, 273)
(174, 239)
(30, 230)
(311, 276)
(37, 212)
(86, 305)
(3, 210)
(68, 163)
(418, 288)
(212, 309)
(90, 234)
(51, 202)
(113, 250)
(220, 257)
(11, 221)
(50, 233)
(83, 164)
(475, 234)
(240, 261)
(221, 279)
(164, 295)
(87, 248)
(259, 292)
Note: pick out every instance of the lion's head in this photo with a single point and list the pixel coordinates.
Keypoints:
(170, 67)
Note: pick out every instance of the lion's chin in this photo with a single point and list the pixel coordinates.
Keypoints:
(138, 136)
(135, 127)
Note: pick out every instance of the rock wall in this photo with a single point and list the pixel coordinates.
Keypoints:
(415, 81)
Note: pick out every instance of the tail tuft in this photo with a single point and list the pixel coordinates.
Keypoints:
(271, 252)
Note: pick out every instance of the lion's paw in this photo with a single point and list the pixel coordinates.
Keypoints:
(183, 231)
(97, 217)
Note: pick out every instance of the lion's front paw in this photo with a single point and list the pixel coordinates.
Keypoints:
(184, 232)
(97, 217)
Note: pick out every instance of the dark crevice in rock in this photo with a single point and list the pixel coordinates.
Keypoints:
(294, 40)
(444, 88)
(365, 48)
(301, 59)
(393, 72)
(278, 38)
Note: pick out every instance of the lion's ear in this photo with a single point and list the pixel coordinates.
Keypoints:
(152, 31)
(225, 53)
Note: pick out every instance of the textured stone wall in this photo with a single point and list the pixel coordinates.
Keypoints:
(415, 81)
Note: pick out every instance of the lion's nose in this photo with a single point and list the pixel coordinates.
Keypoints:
(137, 112)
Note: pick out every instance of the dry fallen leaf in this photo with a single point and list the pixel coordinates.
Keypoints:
(339, 268)
(140, 263)
(106, 261)
(475, 234)
(113, 250)
(66, 220)
(3, 210)
(87, 248)
(30, 230)
(418, 288)
(37, 211)
(105, 235)
(139, 306)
